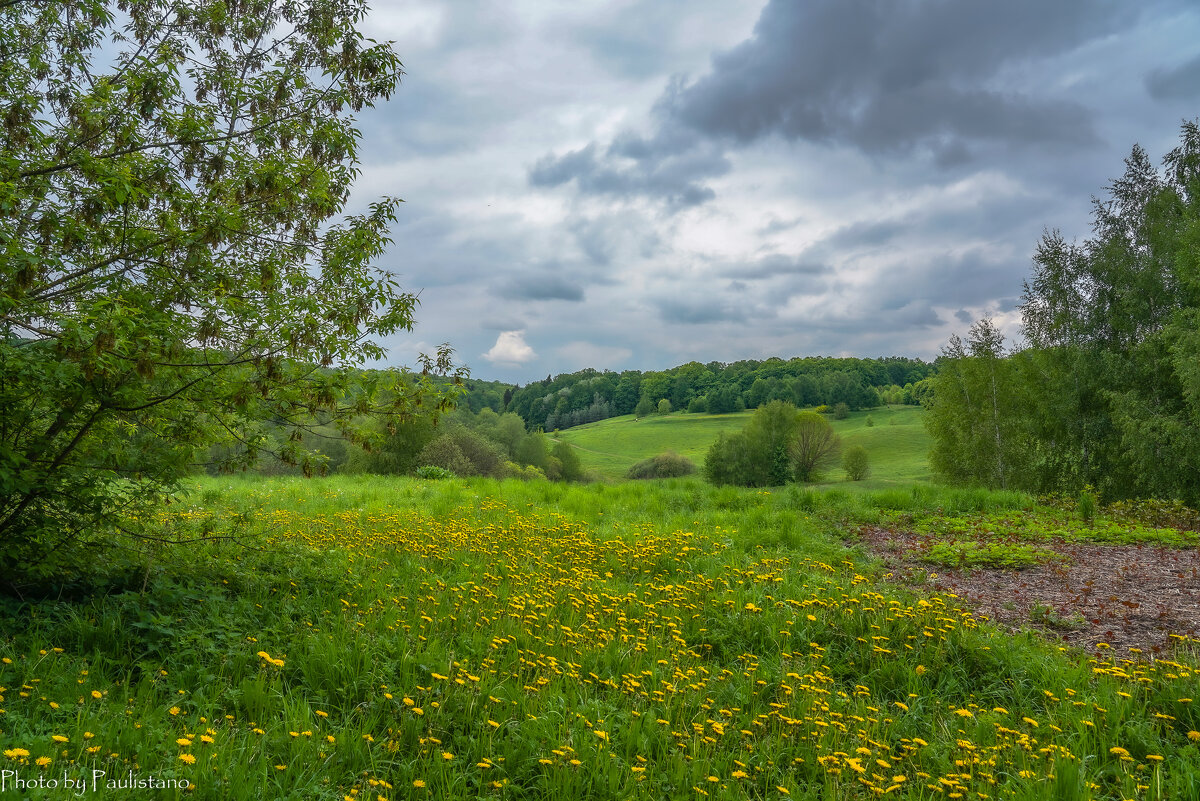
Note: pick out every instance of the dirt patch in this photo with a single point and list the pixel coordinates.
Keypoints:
(1128, 596)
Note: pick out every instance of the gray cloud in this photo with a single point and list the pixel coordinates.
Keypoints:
(636, 167)
(701, 311)
(887, 76)
(1181, 82)
(776, 265)
(541, 287)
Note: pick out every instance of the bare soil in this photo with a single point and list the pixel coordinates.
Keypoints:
(1131, 597)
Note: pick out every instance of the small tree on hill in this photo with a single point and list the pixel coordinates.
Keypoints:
(855, 463)
(815, 445)
(644, 407)
(664, 406)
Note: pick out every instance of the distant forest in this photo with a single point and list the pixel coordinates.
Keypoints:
(589, 395)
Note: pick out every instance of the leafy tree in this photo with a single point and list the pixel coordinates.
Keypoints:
(664, 406)
(644, 407)
(173, 271)
(443, 452)
(856, 463)
(571, 468)
(698, 405)
(729, 460)
(813, 445)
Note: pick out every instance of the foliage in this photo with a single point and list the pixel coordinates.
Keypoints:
(979, 409)
(813, 446)
(433, 472)
(664, 465)
(1107, 393)
(840, 411)
(590, 395)
(856, 463)
(664, 406)
(570, 467)
(644, 408)
(173, 269)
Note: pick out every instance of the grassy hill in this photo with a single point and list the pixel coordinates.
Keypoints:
(897, 442)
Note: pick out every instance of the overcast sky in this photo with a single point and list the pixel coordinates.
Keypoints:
(640, 183)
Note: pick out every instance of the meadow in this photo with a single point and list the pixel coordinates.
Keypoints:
(896, 442)
(387, 638)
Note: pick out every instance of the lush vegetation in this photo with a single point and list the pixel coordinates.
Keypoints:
(1107, 393)
(392, 638)
(174, 271)
(589, 396)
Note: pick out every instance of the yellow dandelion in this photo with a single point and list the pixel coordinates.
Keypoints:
(15, 753)
(418, 783)
(58, 738)
(188, 758)
(43, 761)
(1194, 736)
(97, 694)
(183, 741)
(173, 710)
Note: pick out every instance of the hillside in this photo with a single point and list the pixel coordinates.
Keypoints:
(897, 444)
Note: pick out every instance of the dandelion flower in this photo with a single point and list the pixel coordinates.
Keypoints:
(188, 758)
(58, 738)
(418, 783)
(15, 753)
(43, 761)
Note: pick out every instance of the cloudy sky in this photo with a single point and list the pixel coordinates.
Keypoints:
(639, 183)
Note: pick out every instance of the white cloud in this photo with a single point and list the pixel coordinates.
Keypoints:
(510, 349)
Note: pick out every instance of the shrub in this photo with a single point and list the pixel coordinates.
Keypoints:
(698, 405)
(729, 461)
(870, 421)
(644, 407)
(664, 406)
(434, 472)
(571, 469)
(664, 465)
(855, 463)
(443, 452)
(841, 411)
(822, 409)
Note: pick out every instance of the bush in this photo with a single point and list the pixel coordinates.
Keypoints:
(464, 452)
(729, 461)
(870, 421)
(571, 469)
(434, 472)
(665, 465)
(443, 452)
(822, 409)
(855, 463)
(698, 405)
(664, 406)
(644, 407)
(841, 411)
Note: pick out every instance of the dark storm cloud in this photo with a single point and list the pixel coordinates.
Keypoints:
(541, 287)
(889, 76)
(880, 76)
(1181, 82)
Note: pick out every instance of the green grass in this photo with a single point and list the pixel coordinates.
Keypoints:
(897, 444)
(398, 638)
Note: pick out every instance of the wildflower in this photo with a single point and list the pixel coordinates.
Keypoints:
(173, 710)
(43, 761)
(322, 714)
(58, 738)
(1031, 722)
(183, 741)
(97, 694)
(418, 783)
(603, 735)
(919, 670)
(15, 753)
(188, 758)
(782, 789)
(447, 755)
(1194, 736)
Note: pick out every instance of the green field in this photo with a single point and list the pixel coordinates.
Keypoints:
(392, 638)
(897, 443)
